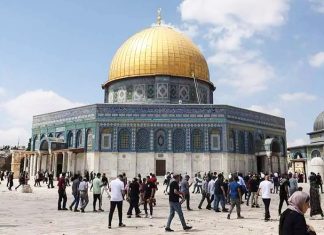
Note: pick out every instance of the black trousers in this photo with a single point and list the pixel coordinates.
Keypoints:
(282, 199)
(133, 203)
(150, 205)
(62, 196)
(266, 202)
(113, 205)
(95, 198)
(50, 183)
(187, 197)
(204, 196)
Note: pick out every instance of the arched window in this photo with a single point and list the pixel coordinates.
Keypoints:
(250, 143)
(89, 139)
(79, 139)
(160, 140)
(259, 143)
(42, 137)
(232, 141)
(179, 141)
(124, 140)
(215, 140)
(241, 139)
(106, 135)
(197, 140)
(275, 146)
(283, 146)
(34, 142)
(70, 139)
(50, 135)
(315, 153)
(298, 155)
(60, 135)
(143, 140)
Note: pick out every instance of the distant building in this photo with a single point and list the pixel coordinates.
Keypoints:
(300, 157)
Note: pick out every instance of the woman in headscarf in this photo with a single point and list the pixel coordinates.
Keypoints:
(292, 220)
(315, 200)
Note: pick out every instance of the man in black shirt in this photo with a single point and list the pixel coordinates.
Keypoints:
(175, 205)
(133, 196)
(149, 191)
(219, 194)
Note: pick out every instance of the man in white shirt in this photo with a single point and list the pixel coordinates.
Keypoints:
(117, 190)
(84, 198)
(211, 186)
(266, 188)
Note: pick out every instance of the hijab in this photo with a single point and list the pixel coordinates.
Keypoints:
(297, 200)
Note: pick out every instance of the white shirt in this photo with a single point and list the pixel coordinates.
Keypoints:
(211, 186)
(265, 187)
(117, 187)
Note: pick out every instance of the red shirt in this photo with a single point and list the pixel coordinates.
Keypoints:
(61, 183)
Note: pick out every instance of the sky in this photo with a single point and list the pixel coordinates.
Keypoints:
(263, 55)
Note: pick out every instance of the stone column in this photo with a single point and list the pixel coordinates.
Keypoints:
(63, 162)
(74, 157)
(25, 162)
(55, 163)
(31, 166)
(69, 158)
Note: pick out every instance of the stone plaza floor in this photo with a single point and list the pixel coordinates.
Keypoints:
(36, 213)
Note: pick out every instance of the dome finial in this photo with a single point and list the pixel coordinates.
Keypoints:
(159, 18)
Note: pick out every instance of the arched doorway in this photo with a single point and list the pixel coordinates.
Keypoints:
(59, 164)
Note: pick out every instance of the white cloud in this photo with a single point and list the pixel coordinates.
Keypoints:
(20, 110)
(297, 96)
(269, 109)
(233, 20)
(297, 142)
(317, 5)
(317, 60)
(2, 91)
(231, 23)
(248, 78)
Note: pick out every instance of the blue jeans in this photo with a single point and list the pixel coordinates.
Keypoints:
(75, 201)
(219, 198)
(175, 207)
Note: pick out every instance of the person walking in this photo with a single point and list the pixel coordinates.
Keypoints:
(235, 193)
(205, 193)
(315, 199)
(149, 192)
(292, 220)
(175, 206)
(283, 192)
(117, 189)
(21, 180)
(266, 188)
(97, 184)
(211, 185)
(133, 198)
(253, 186)
(105, 187)
(293, 184)
(10, 180)
(50, 180)
(75, 193)
(184, 188)
(62, 193)
(84, 197)
(219, 194)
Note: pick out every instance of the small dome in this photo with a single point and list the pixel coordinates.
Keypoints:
(317, 161)
(319, 122)
(159, 50)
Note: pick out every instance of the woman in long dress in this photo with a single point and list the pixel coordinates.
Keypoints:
(315, 200)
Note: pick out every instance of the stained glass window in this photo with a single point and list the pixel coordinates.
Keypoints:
(179, 141)
(79, 139)
(124, 139)
(197, 140)
(143, 140)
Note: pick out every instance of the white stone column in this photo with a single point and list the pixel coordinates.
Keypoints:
(69, 158)
(63, 162)
(25, 162)
(54, 165)
(31, 167)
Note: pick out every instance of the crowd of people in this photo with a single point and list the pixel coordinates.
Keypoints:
(221, 193)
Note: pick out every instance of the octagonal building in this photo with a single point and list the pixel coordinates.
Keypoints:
(158, 115)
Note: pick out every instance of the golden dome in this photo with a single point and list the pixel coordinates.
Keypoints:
(159, 50)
